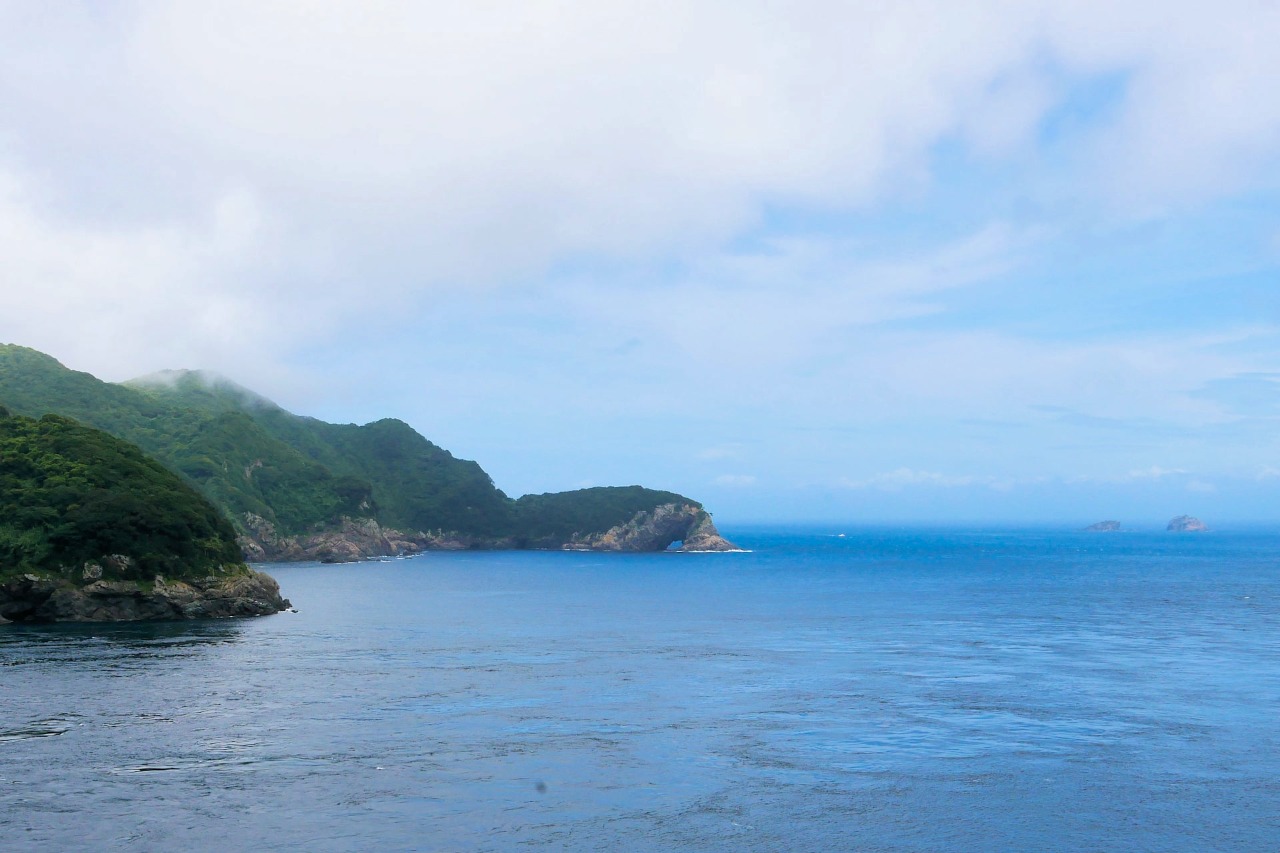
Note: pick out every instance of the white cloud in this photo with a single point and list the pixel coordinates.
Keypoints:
(1197, 119)
(1155, 473)
(902, 478)
(239, 185)
(452, 144)
(110, 299)
(784, 302)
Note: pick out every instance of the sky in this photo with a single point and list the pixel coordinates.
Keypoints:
(853, 262)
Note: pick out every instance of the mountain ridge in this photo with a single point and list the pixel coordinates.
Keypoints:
(304, 480)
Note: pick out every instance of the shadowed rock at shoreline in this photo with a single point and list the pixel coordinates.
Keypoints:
(34, 597)
(363, 539)
(657, 530)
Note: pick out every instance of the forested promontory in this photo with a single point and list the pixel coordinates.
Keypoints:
(91, 530)
(293, 487)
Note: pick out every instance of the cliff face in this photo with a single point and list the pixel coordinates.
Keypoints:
(40, 598)
(656, 530)
(703, 536)
(362, 539)
(352, 539)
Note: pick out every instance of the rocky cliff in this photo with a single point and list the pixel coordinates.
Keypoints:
(1186, 524)
(351, 539)
(656, 530)
(362, 539)
(42, 597)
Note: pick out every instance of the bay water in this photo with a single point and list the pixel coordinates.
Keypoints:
(881, 690)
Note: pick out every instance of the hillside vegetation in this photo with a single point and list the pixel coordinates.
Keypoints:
(248, 455)
(71, 497)
(556, 516)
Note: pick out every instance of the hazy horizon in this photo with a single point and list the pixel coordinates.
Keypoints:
(922, 263)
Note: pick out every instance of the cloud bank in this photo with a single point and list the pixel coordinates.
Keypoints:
(752, 220)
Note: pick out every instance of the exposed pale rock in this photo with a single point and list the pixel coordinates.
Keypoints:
(703, 536)
(351, 539)
(363, 538)
(656, 530)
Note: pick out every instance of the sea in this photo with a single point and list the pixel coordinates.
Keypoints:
(859, 689)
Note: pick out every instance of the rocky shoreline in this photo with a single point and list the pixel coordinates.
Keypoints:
(657, 530)
(37, 597)
(362, 539)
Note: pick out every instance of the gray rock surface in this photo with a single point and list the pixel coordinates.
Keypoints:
(703, 536)
(352, 539)
(363, 539)
(656, 530)
(41, 598)
(1186, 524)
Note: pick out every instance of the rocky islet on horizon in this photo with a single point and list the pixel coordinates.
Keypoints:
(1178, 524)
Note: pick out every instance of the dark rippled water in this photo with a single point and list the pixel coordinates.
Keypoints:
(886, 691)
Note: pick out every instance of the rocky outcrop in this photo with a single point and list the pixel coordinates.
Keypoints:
(36, 597)
(1186, 524)
(351, 539)
(1103, 527)
(703, 536)
(363, 539)
(656, 530)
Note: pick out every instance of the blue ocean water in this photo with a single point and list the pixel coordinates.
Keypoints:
(889, 690)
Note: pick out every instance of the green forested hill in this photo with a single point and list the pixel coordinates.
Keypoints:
(248, 455)
(556, 516)
(234, 462)
(410, 483)
(71, 495)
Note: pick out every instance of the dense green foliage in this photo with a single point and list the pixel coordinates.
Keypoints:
(409, 483)
(558, 515)
(224, 453)
(71, 495)
(246, 454)
(416, 485)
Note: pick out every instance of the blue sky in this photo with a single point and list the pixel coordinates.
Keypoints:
(843, 262)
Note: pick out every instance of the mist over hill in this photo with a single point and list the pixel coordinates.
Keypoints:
(290, 484)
